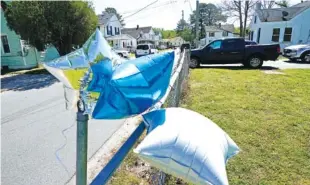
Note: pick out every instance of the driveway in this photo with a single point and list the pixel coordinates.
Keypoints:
(268, 65)
(39, 135)
(284, 64)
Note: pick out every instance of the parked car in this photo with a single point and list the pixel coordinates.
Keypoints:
(145, 49)
(131, 49)
(122, 53)
(234, 50)
(297, 52)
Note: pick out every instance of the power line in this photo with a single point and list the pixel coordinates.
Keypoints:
(167, 3)
(160, 5)
(190, 5)
(148, 15)
(141, 9)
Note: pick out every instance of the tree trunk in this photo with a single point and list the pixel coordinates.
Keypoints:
(64, 46)
(240, 17)
(246, 11)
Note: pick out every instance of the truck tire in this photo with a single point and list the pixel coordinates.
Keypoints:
(306, 57)
(194, 62)
(121, 55)
(254, 62)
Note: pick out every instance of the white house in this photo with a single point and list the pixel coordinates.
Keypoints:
(122, 41)
(217, 32)
(176, 41)
(109, 24)
(286, 26)
(143, 34)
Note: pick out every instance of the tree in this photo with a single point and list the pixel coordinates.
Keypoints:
(283, 3)
(113, 11)
(63, 24)
(158, 30)
(181, 25)
(187, 35)
(266, 4)
(209, 15)
(241, 10)
(168, 34)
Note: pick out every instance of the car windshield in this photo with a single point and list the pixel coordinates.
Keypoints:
(143, 47)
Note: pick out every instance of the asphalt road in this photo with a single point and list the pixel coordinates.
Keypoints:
(32, 121)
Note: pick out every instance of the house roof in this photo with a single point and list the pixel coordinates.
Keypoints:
(134, 32)
(104, 17)
(275, 14)
(225, 27)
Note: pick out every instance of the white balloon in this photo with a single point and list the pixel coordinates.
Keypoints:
(188, 145)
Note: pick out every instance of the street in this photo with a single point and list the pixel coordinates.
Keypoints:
(33, 121)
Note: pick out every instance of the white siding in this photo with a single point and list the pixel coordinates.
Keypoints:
(114, 23)
(299, 24)
(217, 35)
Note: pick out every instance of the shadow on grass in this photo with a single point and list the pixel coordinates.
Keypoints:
(238, 67)
(295, 62)
(29, 80)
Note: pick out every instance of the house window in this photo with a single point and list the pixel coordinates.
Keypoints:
(258, 36)
(287, 35)
(225, 33)
(115, 29)
(211, 34)
(255, 17)
(108, 33)
(5, 44)
(275, 35)
(111, 30)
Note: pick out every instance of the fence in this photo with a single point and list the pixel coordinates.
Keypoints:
(178, 82)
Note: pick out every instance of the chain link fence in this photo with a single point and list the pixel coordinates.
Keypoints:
(178, 84)
(172, 98)
(180, 74)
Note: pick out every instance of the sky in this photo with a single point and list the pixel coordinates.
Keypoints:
(162, 14)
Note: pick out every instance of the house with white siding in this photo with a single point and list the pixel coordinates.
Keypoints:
(285, 26)
(217, 32)
(143, 35)
(109, 24)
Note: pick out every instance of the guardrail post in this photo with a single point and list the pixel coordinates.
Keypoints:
(81, 145)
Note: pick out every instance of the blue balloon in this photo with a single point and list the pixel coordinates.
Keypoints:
(134, 87)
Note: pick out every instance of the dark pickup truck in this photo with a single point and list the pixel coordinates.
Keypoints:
(234, 50)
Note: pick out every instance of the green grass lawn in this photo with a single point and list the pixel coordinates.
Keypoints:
(267, 115)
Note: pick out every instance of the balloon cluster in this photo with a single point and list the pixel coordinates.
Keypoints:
(111, 87)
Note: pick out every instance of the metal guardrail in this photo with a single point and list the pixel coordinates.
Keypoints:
(171, 99)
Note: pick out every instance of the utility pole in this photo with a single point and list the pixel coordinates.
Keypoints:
(182, 24)
(196, 23)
